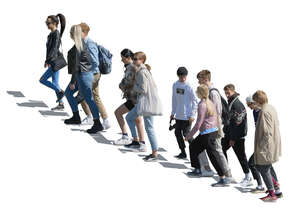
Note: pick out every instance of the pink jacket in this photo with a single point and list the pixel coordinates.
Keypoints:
(204, 121)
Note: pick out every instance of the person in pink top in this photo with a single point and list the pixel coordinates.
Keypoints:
(207, 125)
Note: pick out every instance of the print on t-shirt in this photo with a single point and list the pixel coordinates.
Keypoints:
(180, 91)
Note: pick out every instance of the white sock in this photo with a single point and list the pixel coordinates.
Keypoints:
(277, 191)
(247, 176)
(260, 187)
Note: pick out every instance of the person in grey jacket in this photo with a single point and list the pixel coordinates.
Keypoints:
(143, 83)
(126, 86)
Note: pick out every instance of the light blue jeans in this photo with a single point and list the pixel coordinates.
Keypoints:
(83, 83)
(149, 127)
(55, 77)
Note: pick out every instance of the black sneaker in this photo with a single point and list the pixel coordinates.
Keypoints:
(60, 95)
(74, 120)
(59, 107)
(96, 127)
(181, 156)
(195, 172)
(150, 158)
(221, 183)
(133, 145)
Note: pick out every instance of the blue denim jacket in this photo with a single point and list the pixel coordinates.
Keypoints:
(93, 49)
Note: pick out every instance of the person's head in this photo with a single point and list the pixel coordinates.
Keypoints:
(250, 103)
(127, 56)
(204, 77)
(182, 74)
(260, 98)
(77, 35)
(203, 93)
(229, 90)
(53, 21)
(139, 58)
(85, 29)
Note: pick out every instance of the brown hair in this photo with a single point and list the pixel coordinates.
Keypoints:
(59, 18)
(142, 56)
(204, 74)
(85, 28)
(260, 97)
(229, 87)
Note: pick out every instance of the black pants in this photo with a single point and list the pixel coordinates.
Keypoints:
(267, 172)
(239, 150)
(199, 144)
(182, 128)
(254, 170)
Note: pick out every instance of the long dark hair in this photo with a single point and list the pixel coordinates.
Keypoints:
(59, 18)
(127, 53)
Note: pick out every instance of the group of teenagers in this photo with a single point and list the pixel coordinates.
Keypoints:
(222, 124)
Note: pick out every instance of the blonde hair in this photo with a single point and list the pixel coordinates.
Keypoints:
(260, 97)
(77, 35)
(142, 56)
(203, 93)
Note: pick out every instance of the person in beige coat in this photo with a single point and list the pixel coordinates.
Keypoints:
(267, 145)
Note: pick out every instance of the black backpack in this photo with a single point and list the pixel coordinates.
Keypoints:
(225, 115)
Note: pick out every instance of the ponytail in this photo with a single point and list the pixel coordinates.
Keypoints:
(62, 21)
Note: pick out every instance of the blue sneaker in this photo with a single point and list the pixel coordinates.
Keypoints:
(221, 183)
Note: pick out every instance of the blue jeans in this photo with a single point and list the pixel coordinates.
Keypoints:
(148, 121)
(55, 77)
(83, 83)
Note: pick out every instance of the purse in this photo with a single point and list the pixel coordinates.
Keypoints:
(59, 62)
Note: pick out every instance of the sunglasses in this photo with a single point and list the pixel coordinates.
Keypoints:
(48, 23)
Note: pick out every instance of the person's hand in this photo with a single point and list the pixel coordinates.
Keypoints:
(231, 143)
(191, 119)
(46, 65)
(171, 117)
(72, 86)
(185, 139)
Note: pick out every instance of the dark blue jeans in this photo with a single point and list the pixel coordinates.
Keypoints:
(83, 83)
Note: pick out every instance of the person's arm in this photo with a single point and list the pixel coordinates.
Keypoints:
(53, 49)
(192, 111)
(77, 67)
(94, 52)
(266, 124)
(216, 99)
(199, 122)
(140, 86)
(174, 104)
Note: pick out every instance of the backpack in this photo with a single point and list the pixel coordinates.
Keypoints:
(225, 112)
(105, 60)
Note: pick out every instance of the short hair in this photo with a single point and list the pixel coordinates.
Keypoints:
(229, 87)
(182, 71)
(85, 28)
(260, 97)
(204, 74)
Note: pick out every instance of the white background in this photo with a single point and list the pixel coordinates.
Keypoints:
(46, 166)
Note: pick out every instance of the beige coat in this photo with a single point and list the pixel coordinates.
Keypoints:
(267, 143)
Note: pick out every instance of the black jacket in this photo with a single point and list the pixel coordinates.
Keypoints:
(78, 62)
(53, 42)
(237, 114)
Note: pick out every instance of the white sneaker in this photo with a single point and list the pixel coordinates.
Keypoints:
(246, 182)
(123, 141)
(205, 173)
(142, 148)
(87, 121)
(106, 125)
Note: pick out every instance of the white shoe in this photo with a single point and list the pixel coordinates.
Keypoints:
(246, 182)
(123, 141)
(142, 148)
(87, 121)
(205, 173)
(106, 125)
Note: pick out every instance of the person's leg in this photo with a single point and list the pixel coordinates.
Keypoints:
(44, 80)
(85, 108)
(180, 127)
(267, 177)
(55, 81)
(194, 148)
(239, 149)
(149, 127)
(204, 161)
(140, 129)
(95, 88)
(71, 99)
(119, 112)
(225, 146)
(130, 118)
(254, 171)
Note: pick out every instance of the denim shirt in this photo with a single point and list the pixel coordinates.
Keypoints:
(93, 49)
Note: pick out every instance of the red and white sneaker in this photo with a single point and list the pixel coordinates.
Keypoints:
(269, 198)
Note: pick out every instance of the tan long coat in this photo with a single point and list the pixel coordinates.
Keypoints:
(267, 143)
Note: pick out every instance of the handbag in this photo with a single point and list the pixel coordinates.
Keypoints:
(59, 62)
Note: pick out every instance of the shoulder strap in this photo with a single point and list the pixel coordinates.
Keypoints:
(230, 105)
